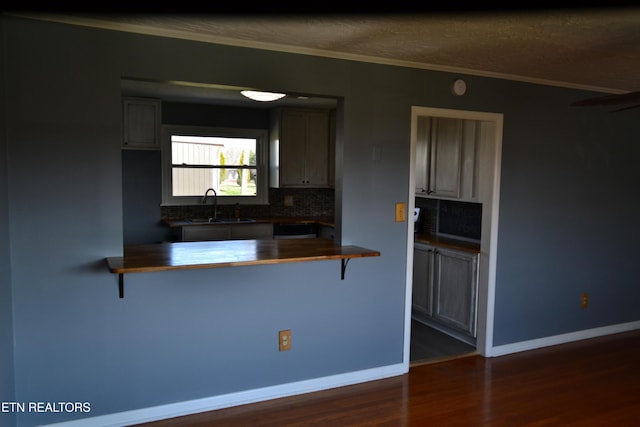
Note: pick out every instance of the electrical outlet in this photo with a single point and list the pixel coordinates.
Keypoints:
(288, 200)
(284, 340)
(584, 301)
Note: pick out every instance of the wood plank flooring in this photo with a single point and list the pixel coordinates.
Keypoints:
(593, 382)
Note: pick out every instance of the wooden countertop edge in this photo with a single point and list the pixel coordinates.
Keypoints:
(268, 220)
(156, 257)
(445, 242)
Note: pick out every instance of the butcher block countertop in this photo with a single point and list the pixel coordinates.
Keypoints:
(446, 242)
(229, 253)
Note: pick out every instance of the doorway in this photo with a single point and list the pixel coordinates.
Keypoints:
(428, 344)
(489, 157)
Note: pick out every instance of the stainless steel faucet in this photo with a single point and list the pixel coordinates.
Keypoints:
(215, 201)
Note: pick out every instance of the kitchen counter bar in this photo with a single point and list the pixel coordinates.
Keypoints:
(229, 253)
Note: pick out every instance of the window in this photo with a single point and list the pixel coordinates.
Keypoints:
(231, 161)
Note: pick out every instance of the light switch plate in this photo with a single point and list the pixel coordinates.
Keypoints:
(401, 212)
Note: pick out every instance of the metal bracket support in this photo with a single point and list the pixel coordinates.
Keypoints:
(345, 261)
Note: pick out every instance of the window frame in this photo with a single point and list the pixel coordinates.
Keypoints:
(262, 164)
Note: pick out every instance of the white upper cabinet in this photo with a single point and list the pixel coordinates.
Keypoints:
(141, 123)
(300, 148)
(446, 158)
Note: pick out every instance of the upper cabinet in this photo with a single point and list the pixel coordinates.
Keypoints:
(446, 158)
(141, 120)
(301, 148)
(332, 148)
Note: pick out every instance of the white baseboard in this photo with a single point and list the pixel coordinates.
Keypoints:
(502, 350)
(155, 413)
(127, 418)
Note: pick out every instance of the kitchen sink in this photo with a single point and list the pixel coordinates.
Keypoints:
(220, 220)
(199, 220)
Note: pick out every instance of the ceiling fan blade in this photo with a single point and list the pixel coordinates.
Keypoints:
(609, 100)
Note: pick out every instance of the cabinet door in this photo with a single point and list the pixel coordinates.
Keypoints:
(141, 123)
(293, 140)
(471, 134)
(205, 232)
(445, 157)
(422, 280)
(302, 149)
(455, 289)
(422, 155)
(317, 150)
(251, 231)
(332, 149)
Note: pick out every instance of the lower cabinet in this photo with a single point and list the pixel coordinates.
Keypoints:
(226, 232)
(251, 231)
(445, 287)
(326, 232)
(422, 299)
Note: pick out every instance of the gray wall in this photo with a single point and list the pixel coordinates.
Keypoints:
(568, 218)
(567, 222)
(6, 314)
(141, 198)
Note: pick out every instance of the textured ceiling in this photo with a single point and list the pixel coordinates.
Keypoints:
(594, 48)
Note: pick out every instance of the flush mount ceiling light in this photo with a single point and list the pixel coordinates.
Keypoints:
(459, 87)
(262, 96)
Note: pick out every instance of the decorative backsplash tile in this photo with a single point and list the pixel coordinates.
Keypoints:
(428, 215)
(451, 217)
(307, 202)
(463, 219)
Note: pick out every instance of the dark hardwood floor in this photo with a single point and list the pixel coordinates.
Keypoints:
(593, 382)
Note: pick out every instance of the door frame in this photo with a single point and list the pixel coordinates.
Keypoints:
(490, 152)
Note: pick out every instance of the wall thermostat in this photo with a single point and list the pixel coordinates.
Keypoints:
(459, 87)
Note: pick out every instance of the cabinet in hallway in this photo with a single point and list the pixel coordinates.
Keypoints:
(445, 288)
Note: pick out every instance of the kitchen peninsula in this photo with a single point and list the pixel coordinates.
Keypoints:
(229, 253)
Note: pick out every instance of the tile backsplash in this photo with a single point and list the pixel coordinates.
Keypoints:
(450, 217)
(463, 219)
(428, 215)
(307, 202)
